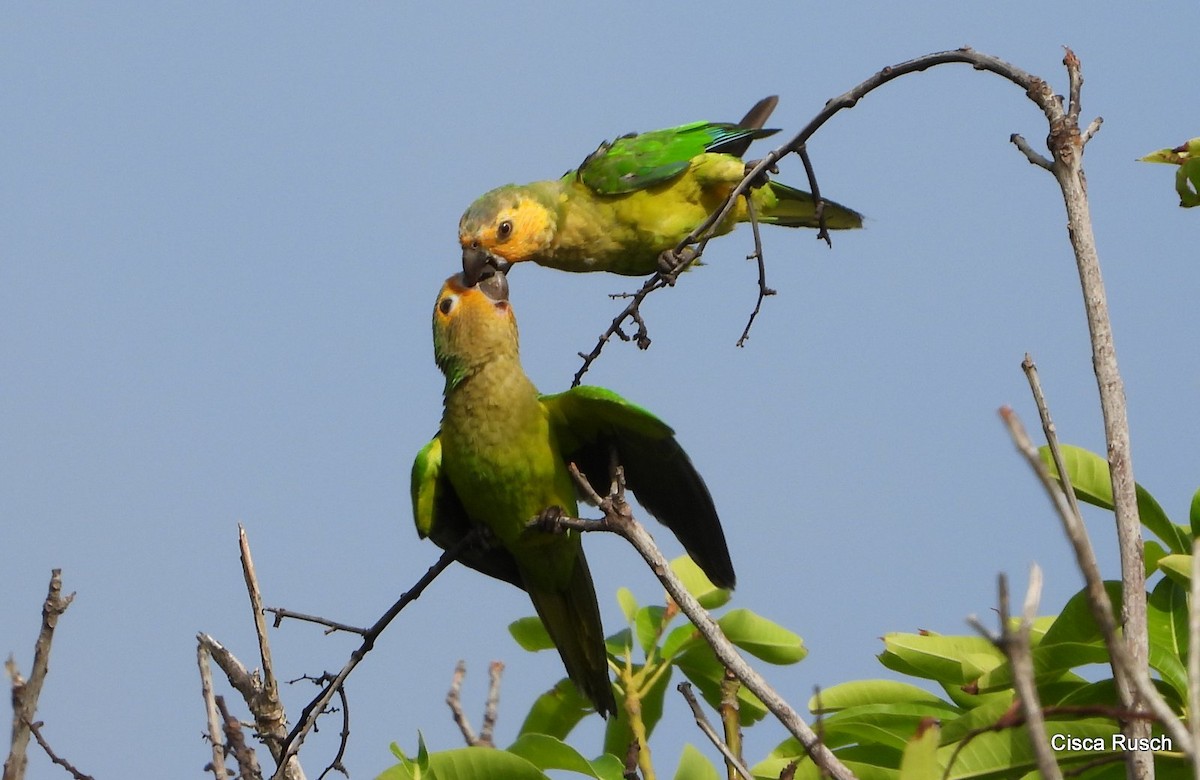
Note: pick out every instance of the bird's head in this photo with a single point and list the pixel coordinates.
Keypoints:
(472, 325)
(510, 224)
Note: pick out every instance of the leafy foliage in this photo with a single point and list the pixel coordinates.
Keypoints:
(972, 727)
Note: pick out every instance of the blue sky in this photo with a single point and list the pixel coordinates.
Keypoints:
(223, 226)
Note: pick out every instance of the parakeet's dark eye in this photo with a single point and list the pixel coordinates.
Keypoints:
(504, 229)
(446, 304)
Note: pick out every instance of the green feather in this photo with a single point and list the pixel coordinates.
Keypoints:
(590, 422)
(637, 161)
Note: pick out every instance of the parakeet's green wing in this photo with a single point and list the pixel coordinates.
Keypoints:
(440, 515)
(635, 162)
(589, 421)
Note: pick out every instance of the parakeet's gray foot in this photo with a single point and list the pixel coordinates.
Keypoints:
(763, 177)
(670, 262)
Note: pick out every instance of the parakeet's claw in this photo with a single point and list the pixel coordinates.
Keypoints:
(670, 262)
(478, 264)
(762, 178)
(547, 521)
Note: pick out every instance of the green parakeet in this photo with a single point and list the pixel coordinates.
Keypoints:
(500, 460)
(631, 200)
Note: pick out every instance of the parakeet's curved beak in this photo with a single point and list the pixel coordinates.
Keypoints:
(479, 264)
(495, 285)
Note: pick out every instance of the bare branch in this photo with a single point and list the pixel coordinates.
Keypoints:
(343, 737)
(247, 761)
(1016, 646)
(331, 626)
(454, 702)
(731, 760)
(36, 730)
(1030, 153)
(1124, 668)
(1066, 146)
(492, 706)
(214, 717)
(763, 289)
(25, 693)
(618, 518)
(313, 710)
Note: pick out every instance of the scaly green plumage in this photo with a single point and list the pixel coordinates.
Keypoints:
(631, 200)
(500, 460)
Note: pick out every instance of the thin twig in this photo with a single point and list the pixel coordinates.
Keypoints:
(343, 737)
(815, 190)
(1031, 154)
(1015, 645)
(731, 759)
(619, 519)
(36, 730)
(1102, 610)
(331, 626)
(454, 702)
(213, 716)
(763, 289)
(491, 707)
(313, 710)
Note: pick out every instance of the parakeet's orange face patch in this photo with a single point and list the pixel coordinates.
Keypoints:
(508, 224)
(471, 304)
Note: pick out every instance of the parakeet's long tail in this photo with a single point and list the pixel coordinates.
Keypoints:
(572, 618)
(797, 208)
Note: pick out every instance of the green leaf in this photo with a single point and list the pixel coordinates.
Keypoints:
(1187, 184)
(762, 638)
(920, 759)
(472, 763)
(628, 603)
(1167, 629)
(1075, 624)
(557, 711)
(649, 625)
(549, 753)
(1178, 568)
(1008, 753)
(697, 584)
(1093, 484)
(1049, 662)
(954, 660)
(694, 766)
(530, 634)
(1152, 553)
(620, 644)
(703, 669)
(981, 717)
(1194, 515)
(891, 725)
(679, 639)
(860, 692)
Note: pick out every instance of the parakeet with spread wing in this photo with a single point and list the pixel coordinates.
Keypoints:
(501, 460)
